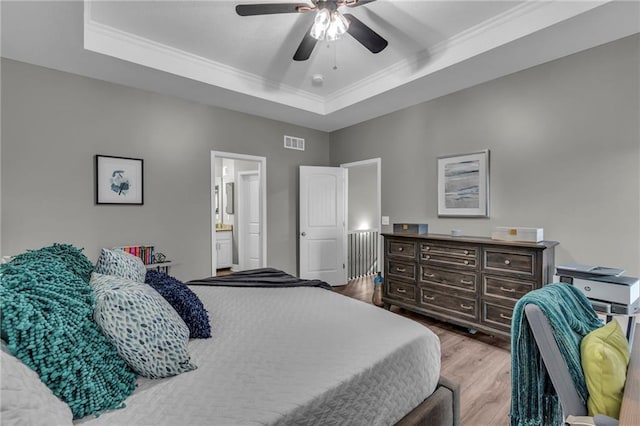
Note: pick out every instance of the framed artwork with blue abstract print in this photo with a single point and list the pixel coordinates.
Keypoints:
(119, 180)
(463, 185)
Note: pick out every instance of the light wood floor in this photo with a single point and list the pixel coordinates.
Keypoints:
(480, 363)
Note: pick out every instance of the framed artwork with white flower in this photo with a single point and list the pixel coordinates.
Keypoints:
(119, 180)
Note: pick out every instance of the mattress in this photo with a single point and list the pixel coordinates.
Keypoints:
(291, 356)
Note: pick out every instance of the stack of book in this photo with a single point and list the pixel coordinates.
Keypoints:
(143, 252)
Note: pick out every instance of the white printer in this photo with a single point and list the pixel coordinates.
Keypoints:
(606, 288)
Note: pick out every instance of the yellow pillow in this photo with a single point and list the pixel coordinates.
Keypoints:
(605, 356)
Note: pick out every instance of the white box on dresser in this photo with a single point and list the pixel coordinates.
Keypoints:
(517, 233)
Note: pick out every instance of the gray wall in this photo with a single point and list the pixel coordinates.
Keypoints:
(363, 196)
(565, 147)
(53, 123)
(564, 140)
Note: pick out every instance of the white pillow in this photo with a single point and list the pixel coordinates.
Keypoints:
(148, 333)
(121, 264)
(24, 399)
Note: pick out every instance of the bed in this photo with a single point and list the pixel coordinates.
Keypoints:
(298, 355)
(295, 352)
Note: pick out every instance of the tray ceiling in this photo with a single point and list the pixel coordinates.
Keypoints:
(204, 51)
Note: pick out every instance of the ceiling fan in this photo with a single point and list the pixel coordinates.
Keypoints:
(329, 23)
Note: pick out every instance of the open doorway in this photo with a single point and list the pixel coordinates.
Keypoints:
(339, 221)
(364, 245)
(238, 212)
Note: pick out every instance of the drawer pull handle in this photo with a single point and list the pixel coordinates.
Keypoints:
(503, 316)
(466, 252)
(400, 248)
(427, 248)
(425, 297)
(467, 307)
(466, 282)
(507, 262)
(510, 290)
(399, 269)
(466, 262)
(426, 274)
(401, 290)
(427, 257)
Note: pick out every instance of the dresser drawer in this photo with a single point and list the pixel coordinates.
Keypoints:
(497, 316)
(506, 287)
(517, 262)
(401, 269)
(467, 252)
(456, 279)
(447, 303)
(401, 248)
(446, 260)
(402, 291)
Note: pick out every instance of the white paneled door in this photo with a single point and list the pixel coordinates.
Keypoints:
(323, 235)
(249, 227)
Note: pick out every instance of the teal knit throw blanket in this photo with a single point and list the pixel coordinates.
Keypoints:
(46, 307)
(533, 398)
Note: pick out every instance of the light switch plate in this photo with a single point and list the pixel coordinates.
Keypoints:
(385, 220)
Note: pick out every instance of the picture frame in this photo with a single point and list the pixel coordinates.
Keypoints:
(119, 180)
(463, 185)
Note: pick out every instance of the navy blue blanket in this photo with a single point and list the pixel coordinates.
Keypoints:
(263, 277)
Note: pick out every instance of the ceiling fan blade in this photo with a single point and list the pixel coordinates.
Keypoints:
(306, 47)
(269, 8)
(365, 35)
(359, 3)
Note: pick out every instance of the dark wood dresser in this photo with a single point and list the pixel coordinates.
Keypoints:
(470, 281)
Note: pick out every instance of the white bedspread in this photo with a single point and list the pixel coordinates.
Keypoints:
(291, 356)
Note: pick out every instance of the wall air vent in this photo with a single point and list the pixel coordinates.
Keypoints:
(291, 142)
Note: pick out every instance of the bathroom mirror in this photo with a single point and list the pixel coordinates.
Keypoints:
(229, 197)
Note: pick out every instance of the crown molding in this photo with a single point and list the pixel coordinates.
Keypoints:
(520, 21)
(111, 41)
(512, 24)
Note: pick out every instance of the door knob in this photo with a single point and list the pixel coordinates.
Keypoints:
(304, 234)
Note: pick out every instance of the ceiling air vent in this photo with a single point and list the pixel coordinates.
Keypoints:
(291, 142)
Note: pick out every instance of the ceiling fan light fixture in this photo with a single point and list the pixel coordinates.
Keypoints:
(329, 24)
(332, 33)
(339, 24)
(320, 24)
(317, 32)
(323, 17)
